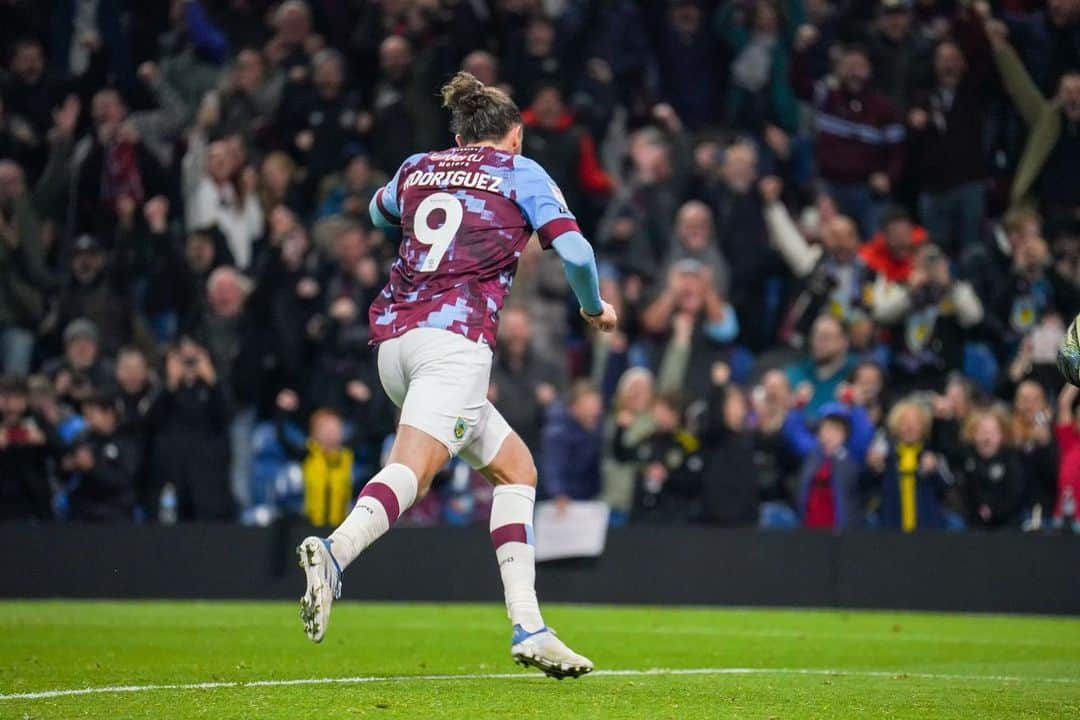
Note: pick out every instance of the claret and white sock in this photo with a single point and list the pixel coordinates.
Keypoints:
(382, 501)
(512, 538)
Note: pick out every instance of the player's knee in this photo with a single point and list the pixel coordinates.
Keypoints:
(525, 475)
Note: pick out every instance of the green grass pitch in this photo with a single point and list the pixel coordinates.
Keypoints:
(452, 661)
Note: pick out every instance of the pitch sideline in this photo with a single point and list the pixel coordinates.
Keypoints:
(899, 675)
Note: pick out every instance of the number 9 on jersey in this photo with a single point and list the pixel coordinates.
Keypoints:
(438, 238)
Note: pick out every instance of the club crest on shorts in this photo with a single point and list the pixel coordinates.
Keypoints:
(459, 428)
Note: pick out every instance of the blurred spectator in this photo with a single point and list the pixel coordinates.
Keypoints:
(635, 232)
(689, 315)
(947, 127)
(759, 36)
(96, 290)
(225, 197)
(565, 150)
(695, 239)
(630, 423)
(193, 52)
(350, 191)
(829, 479)
(670, 487)
(731, 489)
(571, 447)
(104, 463)
(1032, 435)
(191, 441)
(249, 98)
(326, 464)
(22, 256)
(929, 316)
(523, 384)
(24, 485)
(991, 474)
(743, 238)
(120, 162)
(689, 63)
(835, 279)
(912, 485)
(321, 119)
(860, 136)
(1050, 164)
(405, 114)
(775, 461)
(83, 361)
(827, 364)
(899, 52)
(890, 253)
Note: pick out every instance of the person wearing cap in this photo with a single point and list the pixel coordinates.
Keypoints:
(899, 51)
(95, 290)
(82, 361)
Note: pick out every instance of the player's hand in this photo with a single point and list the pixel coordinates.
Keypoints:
(605, 321)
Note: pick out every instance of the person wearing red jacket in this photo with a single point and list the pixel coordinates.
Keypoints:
(563, 148)
(890, 253)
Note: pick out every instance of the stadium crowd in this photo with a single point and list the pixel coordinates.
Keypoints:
(843, 238)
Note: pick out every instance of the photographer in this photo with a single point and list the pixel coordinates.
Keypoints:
(24, 486)
(834, 277)
(105, 462)
(928, 317)
(191, 446)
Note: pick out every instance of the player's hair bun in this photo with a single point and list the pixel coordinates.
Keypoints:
(464, 92)
(478, 112)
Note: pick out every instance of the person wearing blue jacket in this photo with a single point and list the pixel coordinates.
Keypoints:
(571, 446)
(829, 478)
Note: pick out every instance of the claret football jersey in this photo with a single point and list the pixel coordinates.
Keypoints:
(466, 215)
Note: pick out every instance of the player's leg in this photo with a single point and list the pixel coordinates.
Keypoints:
(439, 380)
(503, 458)
(413, 462)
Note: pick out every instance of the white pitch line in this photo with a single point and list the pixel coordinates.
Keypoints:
(839, 673)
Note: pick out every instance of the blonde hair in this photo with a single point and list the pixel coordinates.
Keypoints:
(996, 413)
(622, 388)
(902, 408)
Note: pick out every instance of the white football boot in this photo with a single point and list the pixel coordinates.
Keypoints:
(323, 585)
(547, 653)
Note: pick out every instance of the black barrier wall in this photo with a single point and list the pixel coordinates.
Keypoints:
(965, 572)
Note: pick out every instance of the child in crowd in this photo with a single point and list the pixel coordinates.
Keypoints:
(991, 474)
(326, 463)
(829, 478)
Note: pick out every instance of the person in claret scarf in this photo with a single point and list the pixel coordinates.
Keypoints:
(913, 484)
(829, 479)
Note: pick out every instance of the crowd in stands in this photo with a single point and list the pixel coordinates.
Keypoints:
(843, 238)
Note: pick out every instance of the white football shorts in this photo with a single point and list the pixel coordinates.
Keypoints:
(440, 380)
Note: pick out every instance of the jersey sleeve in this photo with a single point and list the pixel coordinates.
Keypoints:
(541, 201)
(386, 197)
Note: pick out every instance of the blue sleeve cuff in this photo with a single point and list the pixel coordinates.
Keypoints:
(579, 263)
